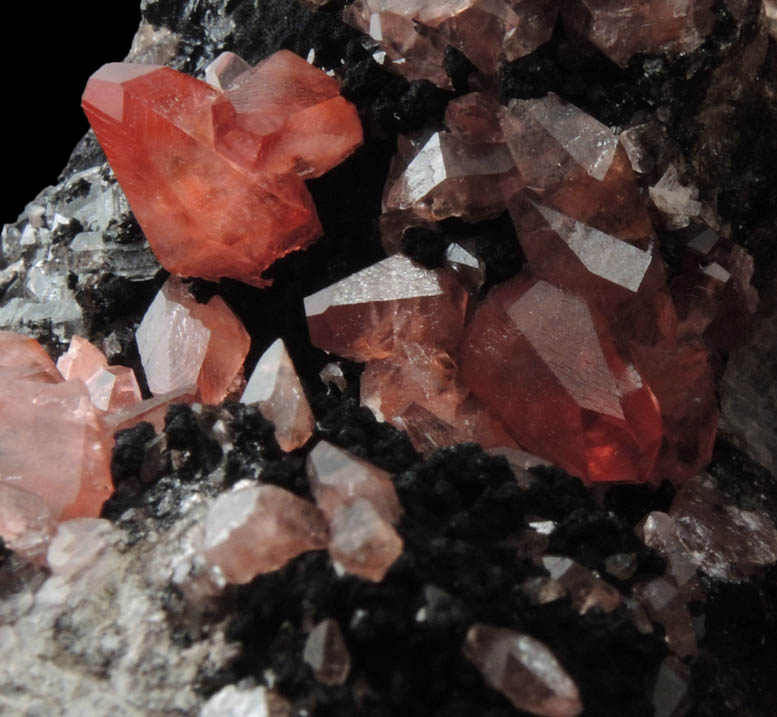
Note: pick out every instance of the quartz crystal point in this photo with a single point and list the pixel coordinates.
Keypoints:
(361, 504)
(55, 445)
(575, 164)
(362, 542)
(326, 653)
(586, 589)
(523, 670)
(183, 343)
(622, 30)
(372, 312)
(256, 529)
(213, 178)
(24, 358)
(414, 35)
(546, 364)
(275, 389)
(337, 477)
(111, 388)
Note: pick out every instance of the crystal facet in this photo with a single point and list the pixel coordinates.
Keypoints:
(276, 389)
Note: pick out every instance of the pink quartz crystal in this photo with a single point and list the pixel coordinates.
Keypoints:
(337, 477)
(257, 529)
(362, 542)
(622, 30)
(275, 389)
(184, 343)
(370, 313)
(55, 445)
(414, 35)
(24, 358)
(110, 387)
(523, 670)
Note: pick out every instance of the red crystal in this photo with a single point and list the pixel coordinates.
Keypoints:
(172, 142)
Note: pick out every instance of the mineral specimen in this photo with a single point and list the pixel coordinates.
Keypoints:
(24, 358)
(275, 389)
(338, 478)
(183, 343)
(55, 445)
(326, 653)
(26, 524)
(369, 314)
(173, 142)
(257, 529)
(414, 35)
(524, 670)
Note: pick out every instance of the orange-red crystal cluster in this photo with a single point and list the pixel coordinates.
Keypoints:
(589, 357)
(215, 173)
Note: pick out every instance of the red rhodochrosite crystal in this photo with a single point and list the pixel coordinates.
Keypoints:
(183, 343)
(544, 360)
(284, 115)
(173, 141)
(368, 314)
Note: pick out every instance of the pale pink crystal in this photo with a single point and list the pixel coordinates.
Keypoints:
(55, 445)
(26, 524)
(224, 70)
(257, 529)
(114, 388)
(82, 360)
(24, 358)
(326, 653)
(276, 390)
(184, 343)
(585, 588)
(524, 670)
(370, 313)
(362, 542)
(418, 390)
(337, 478)
(152, 410)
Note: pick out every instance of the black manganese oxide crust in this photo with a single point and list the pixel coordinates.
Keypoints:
(461, 506)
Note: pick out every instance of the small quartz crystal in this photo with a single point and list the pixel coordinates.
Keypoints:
(326, 653)
(184, 343)
(256, 529)
(275, 389)
(370, 313)
(523, 670)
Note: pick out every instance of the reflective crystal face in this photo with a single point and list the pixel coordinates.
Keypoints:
(276, 389)
(214, 178)
(368, 314)
(183, 343)
(524, 670)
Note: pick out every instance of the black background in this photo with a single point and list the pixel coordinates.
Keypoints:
(48, 53)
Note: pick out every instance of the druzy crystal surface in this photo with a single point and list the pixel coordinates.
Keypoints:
(213, 177)
(183, 343)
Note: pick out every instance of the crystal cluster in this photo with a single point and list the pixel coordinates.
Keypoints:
(589, 357)
(413, 36)
(215, 174)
